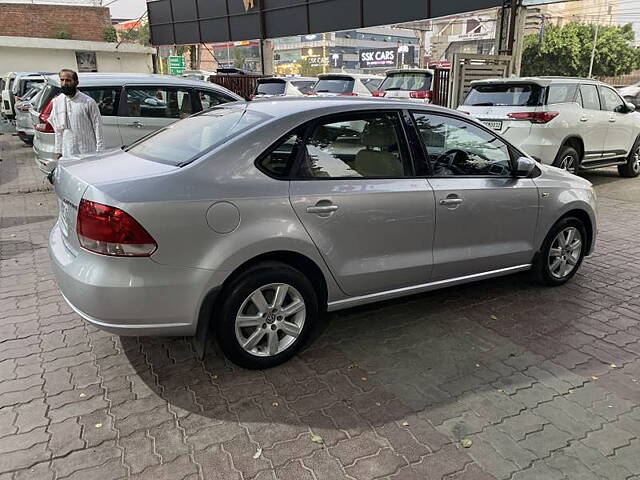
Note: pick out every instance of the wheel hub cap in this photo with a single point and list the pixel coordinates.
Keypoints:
(565, 252)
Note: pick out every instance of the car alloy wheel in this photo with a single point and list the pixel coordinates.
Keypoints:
(270, 319)
(568, 163)
(635, 163)
(565, 251)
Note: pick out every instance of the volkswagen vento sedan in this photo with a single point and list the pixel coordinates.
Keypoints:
(249, 220)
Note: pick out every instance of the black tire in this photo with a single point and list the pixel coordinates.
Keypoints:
(567, 159)
(240, 288)
(631, 169)
(542, 267)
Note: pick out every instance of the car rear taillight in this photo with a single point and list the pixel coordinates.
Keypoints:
(534, 117)
(110, 231)
(349, 94)
(44, 126)
(379, 94)
(312, 94)
(422, 94)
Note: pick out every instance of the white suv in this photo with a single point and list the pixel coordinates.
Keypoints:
(566, 122)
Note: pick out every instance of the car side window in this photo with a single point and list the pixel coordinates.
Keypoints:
(209, 99)
(277, 162)
(459, 148)
(590, 97)
(372, 84)
(611, 100)
(561, 93)
(159, 102)
(358, 146)
(107, 99)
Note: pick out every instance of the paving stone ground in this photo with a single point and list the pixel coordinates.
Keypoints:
(545, 383)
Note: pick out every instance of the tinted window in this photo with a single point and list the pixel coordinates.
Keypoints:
(611, 100)
(210, 99)
(183, 141)
(521, 95)
(107, 99)
(334, 85)
(360, 146)
(455, 147)
(271, 88)
(372, 84)
(304, 86)
(590, 99)
(279, 160)
(407, 81)
(159, 102)
(27, 85)
(50, 92)
(561, 93)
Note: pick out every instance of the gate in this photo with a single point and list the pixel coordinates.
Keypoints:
(243, 85)
(467, 68)
(441, 77)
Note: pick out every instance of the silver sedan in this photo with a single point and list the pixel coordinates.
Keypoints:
(249, 220)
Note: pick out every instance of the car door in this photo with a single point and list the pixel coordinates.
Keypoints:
(108, 100)
(592, 123)
(621, 129)
(149, 108)
(485, 217)
(355, 193)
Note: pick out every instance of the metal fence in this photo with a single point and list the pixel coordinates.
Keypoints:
(243, 85)
(441, 86)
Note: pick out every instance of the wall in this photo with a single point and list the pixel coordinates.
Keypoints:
(46, 21)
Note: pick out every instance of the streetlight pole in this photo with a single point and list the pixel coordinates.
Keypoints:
(593, 50)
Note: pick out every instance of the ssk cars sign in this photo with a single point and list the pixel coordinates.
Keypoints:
(387, 57)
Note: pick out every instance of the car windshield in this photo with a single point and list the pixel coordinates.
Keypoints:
(505, 94)
(182, 142)
(334, 85)
(407, 81)
(49, 93)
(273, 87)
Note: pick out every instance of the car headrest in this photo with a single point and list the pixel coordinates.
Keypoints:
(379, 134)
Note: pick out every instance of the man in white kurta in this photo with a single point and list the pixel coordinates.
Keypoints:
(76, 119)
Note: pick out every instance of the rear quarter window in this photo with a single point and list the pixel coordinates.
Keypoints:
(561, 93)
(334, 85)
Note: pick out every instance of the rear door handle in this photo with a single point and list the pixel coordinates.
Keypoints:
(451, 201)
(584, 118)
(322, 209)
(136, 125)
(612, 118)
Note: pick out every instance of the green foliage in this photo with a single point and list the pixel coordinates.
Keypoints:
(63, 32)
(139, 35)
(238, 58)
(109, 34)
(566, 51)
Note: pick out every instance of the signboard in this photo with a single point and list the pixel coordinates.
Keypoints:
(334, 60)
(177, 65)
(387, 57)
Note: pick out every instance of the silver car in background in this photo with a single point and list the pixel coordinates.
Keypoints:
(251, 219)
(24, 121)
(283, 86)
(131, 105)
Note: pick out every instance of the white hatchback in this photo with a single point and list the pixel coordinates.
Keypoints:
(566, 122)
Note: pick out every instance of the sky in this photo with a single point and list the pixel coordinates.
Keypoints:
(127, 8)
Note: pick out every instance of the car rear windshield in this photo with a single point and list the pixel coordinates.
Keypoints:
(407, 81)
(304, 86)
(335, 84)
(49, 93)
(505, 94)
(182, 142)
(271, 87)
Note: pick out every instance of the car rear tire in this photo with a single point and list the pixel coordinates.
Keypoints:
(631, 169)
(562, 252)
(568, 159)
(266, 316)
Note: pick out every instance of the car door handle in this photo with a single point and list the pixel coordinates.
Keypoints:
(451, 201)
(584, 119)
(135, 125)
(322, 209)
(612, 119)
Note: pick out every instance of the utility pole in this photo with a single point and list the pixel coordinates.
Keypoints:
(593, 50)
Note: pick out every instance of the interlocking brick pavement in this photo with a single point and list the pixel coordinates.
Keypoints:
(544, 382)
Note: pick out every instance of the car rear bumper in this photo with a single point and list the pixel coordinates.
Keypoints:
(129, 296)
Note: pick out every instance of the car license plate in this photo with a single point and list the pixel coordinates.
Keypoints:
(494, 125)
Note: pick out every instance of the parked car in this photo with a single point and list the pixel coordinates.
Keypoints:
(283, 86)
(253, 218)
(202, 75)
(24, 123)
(346, 84)
(15, 86)
(410, 84)
(631, 94)
(131, 105)
(575, 124)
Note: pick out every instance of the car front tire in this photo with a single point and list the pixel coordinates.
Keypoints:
(266, 315)
(562, 252)
(631, 169)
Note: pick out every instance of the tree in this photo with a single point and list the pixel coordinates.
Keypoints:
(566, 51)
(139, 35)
(110, 34)
(239, 58)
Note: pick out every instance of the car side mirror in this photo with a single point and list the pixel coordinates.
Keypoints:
(524, 167)
(630, 107)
